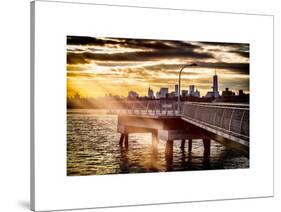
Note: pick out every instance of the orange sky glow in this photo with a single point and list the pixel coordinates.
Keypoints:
(100, 66)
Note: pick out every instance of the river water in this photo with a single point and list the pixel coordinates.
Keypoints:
(93, 149)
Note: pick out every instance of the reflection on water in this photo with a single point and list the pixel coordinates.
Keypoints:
(93, 148)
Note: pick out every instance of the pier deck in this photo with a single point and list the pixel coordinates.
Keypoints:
(227, 124)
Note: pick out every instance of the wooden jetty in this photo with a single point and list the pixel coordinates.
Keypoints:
(227, 124)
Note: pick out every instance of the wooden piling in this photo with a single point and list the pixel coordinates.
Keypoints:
(207, 146)
(126, 140)
(182, 144)
(189, 145)
(169, 154)
(121, 140)
(169, 147)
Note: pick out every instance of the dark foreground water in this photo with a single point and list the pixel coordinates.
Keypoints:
(93, 149)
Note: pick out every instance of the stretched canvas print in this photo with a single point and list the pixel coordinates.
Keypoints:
(129, 112)
(138, 105)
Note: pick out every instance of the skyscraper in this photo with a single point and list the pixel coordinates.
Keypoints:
(191, 90)
(150, 93)
(163, 92)
(215, 86)
(176, 89)
(196, 93)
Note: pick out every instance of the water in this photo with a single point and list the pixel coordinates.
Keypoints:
(93, 149)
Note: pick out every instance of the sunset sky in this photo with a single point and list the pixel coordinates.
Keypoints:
(99, 66)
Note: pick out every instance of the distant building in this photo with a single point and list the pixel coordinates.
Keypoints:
(215, 93)
(163, 92)
(172, 94)
(176, 90)
(184, 93)
(215, 86)
(210, 94)
(191, 90)
(196, 93)
(150, 93)
(241, 93)
(157, 95)
(77, 95)
(230, 96)
(227, 93)
(132, 95)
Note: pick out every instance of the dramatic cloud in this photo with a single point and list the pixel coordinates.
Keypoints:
(130, 43)
(130, 50)
(240, 49)
(97, 66)
(236, 45)
(242, 53)
(87, 57)
(239, 68)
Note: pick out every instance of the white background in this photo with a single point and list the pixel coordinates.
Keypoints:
(116, 190)
(14, 115)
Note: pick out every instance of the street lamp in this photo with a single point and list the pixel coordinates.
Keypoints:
(179, 91)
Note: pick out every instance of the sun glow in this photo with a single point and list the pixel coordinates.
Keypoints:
(117, 66)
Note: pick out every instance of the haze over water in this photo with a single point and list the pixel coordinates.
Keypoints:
(93, 149)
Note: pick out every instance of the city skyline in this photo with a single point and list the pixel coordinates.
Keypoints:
(100, 66)
(192, 91)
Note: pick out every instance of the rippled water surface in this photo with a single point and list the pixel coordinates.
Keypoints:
(93, 148)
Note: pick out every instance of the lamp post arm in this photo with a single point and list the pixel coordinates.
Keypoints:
(179, 91)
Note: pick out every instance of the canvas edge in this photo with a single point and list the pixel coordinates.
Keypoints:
(32, 106)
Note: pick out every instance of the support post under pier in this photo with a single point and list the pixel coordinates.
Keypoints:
(189, 145)
(207, 146)
(169, 154)
(182, 144)
(169, 148)
(121, 140)
(126, 140)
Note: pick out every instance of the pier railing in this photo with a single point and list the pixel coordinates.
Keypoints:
(232, 119)
(155, 107)
(225, 119)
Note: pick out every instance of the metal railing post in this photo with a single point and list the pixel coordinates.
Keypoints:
(222, 118)
(230, 121)
(241, 122)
